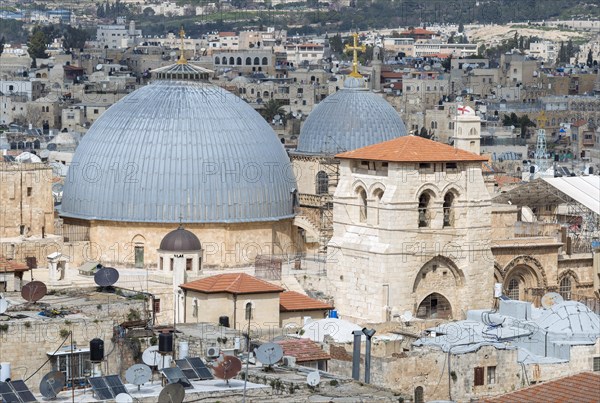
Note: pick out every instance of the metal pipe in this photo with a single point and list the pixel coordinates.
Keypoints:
(356, 355)
(369, 333)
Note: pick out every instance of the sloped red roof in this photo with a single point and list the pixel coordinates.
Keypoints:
(411, 149)
(9, 265)
(303, 350)
(579, 123)
(581, 388)
(232, 283)
(294, 301)
(227, 33)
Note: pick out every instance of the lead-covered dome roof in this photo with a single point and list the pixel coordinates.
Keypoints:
(352, 118)
(180, 240)
(179, 151)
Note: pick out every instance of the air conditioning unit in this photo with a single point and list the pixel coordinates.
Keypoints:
(213, 352)
(289, 361)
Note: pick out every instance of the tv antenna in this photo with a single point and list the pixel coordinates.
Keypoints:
(106, 276)
(228, 367)
(269, 353)
(34, 291)
(313, 379)
(52, 383)
(172, 393)
(138, 374)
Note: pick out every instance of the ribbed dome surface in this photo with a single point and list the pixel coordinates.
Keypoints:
(349, 119)
(180, 240)
(177, 151)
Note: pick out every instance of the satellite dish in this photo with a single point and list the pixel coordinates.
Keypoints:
(228, 367)
(172, 54)
(123, 398)
(550, 299)
(51, 147)
(52, 383)
(459, 99)
(106, 276)
(151, 357)
(427, 68)
(138, 374)
(172, 393)
(269, 353)
(99, 67)
(406, 317)
(277, 117)
(3, 306)
(34, 291)
(313, 379)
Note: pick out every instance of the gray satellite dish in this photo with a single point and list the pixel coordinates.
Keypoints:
(99, 67)
(172, 393)
(269, 353)
(123, 398)
(313, 379)
(52, 383)
(151, 357)
(3, 306)
(406, 317)
(550, 299)
(106, 276)
(138, 374)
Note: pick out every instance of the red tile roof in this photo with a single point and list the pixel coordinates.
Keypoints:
(581, 388)
(579, 123)
(232, 283)
(303, 349)
(9, 265)
(294, 301)
(411, 149)
(227, 33)
(417, 31)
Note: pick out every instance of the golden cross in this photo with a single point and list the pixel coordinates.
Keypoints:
(182, 59)
(542, 120)
(355, 49)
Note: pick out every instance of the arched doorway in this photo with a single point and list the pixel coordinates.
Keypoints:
(434, 306)
(137, 243)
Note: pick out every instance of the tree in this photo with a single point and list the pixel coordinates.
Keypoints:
(271, 109)
(336, 44)
(148, 12)
(589, 62)
(461, 28)
(2, 41)
(75, 38)
(37, 44)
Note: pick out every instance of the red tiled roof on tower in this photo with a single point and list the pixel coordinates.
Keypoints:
(9, 265)
(232, 283)
(294, 301)
(303, 350)
(411, 149)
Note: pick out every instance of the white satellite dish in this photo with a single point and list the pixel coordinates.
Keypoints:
(313, 379)
(459, 99)
(527, 214)
(3, 306)
(550, 299)
(151, 357)
(173, 54)
(427, 68)
(406, 317)
(269, 353)
(138, 374)
(123, 398)
(99, 67)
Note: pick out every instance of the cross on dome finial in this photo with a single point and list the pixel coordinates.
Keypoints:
(182, 59)
(180, 221)
(355, 48)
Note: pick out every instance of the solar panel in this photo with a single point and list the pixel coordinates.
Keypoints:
(115, 384)
(23, 391)
(7, 394)
(100, 388)
(186, 368)
(175, 375)
(200, 368)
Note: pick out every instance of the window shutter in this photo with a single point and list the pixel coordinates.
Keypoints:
(478, 376)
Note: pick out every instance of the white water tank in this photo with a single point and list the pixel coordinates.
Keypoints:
(4, 371)
(183, 349)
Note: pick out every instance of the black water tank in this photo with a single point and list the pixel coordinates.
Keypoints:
(556, 157)
(224, 321)
(165, 343)
(532, 169)
(591, 170)
(96, 350)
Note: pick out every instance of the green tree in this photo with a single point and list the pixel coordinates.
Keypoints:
(37, 44)
(271, 109)
(75, 38)
(336, 44)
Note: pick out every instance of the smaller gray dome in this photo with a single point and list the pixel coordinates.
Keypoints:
(180, 240)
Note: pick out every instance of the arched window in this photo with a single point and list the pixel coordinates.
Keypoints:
(419, 395)
(238, 61)
(378, 194)
(217, 60)
(256, 61)
(248, 61)
(424, 215)
(434, 306)
(231, 61)
(322, 183)
(224, 60)
(565, 288)
(513, 289)
(448, 210)
(265, 61)
(362, 195)
(248, 311)
(265, 94)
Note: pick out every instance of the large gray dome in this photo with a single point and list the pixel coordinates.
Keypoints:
(177, 151)
(349, 119)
